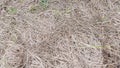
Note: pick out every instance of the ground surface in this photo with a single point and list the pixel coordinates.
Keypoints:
(60, 34)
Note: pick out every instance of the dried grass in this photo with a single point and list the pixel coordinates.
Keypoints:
(56, 38)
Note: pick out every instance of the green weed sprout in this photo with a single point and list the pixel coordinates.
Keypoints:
(104, 18)
(14, 39)
(68, 10)
(34, 8)
(44, 4)
(57, 12)
(96, 47)
(11, 9)
(20, 1)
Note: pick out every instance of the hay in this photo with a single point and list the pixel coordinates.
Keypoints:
(66, 34)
